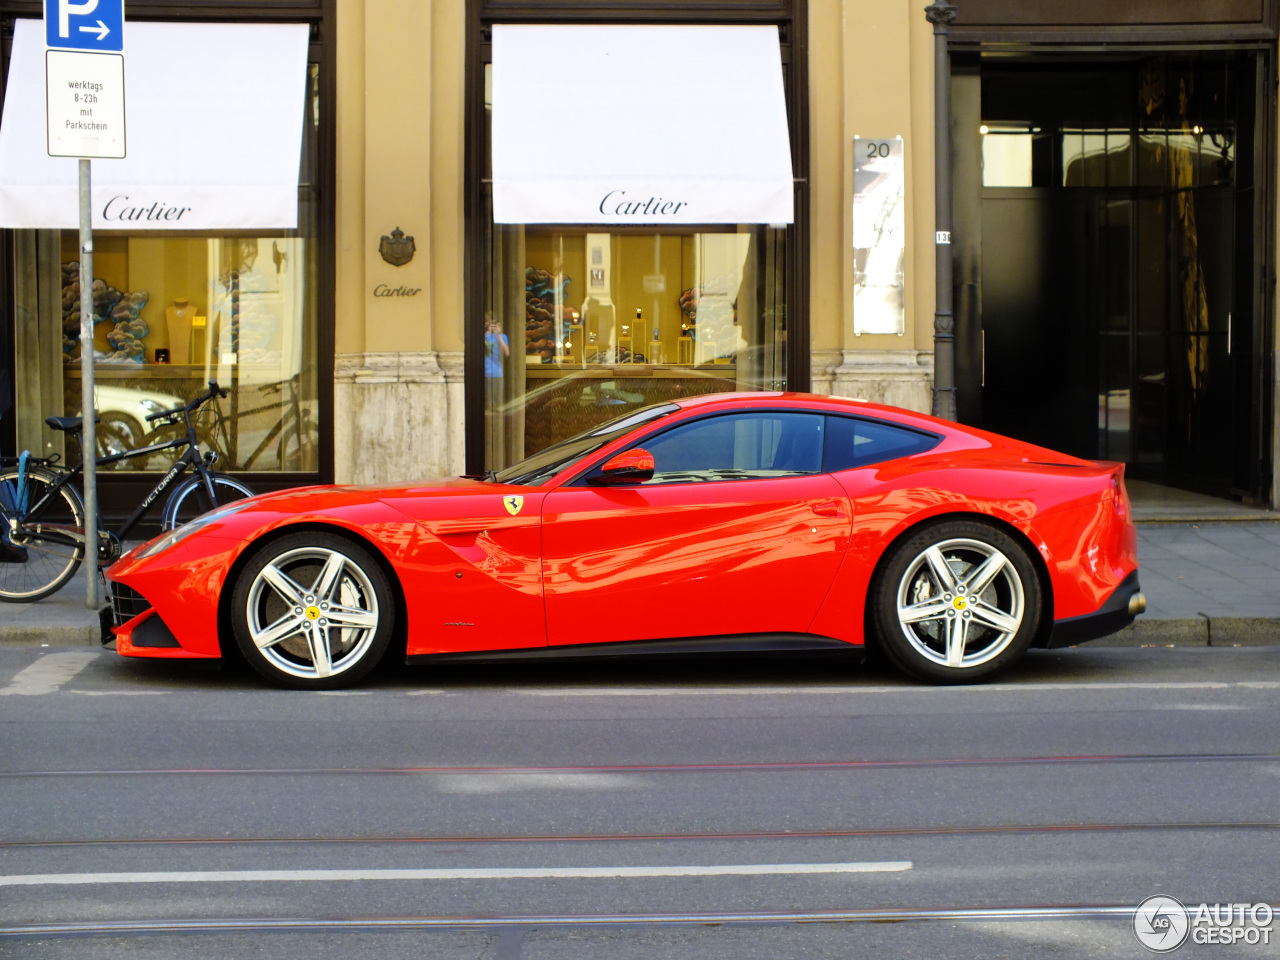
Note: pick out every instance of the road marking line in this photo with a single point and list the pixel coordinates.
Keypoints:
(140, 693)
(485, 873)
(48, 673)
(849, 689)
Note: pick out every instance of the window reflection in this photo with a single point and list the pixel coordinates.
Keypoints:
(585, 325)
(170, 314)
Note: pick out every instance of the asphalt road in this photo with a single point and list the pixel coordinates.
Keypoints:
(647, 810)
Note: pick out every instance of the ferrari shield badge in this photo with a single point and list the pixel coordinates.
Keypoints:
(513, 504)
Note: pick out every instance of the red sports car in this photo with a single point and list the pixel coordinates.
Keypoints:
(723, 523)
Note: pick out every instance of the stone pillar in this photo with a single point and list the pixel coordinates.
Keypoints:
(900, 378)
(393, 417)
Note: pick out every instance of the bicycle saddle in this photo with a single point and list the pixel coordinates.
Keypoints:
(69, 424)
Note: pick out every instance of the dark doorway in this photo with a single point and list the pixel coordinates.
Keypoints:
(1120, 255)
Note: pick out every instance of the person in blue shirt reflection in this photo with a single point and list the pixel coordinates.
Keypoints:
(496, 350)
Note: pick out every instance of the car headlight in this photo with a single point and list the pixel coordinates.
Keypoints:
(178, 534)
(151, 406)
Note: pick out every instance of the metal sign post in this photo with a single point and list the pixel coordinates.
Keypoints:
(88, 432)
(84, 100)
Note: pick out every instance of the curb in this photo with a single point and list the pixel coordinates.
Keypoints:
(61, 636)
(72, 631)
(1197, 631)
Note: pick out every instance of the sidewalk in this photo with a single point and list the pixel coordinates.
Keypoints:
(60, 620)
(1208, 583)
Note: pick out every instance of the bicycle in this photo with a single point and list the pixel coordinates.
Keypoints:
(42, 535)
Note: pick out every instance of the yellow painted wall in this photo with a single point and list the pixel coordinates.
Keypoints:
(448, 41)
(400, 164)
(870, 75)
(830, 181)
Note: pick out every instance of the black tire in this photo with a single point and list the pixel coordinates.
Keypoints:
(33, 567)
(190, 499)
(922, 613)
(291, 643)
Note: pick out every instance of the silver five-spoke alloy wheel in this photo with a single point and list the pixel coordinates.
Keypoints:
(312, 610)
(956, 601)
(960, 603)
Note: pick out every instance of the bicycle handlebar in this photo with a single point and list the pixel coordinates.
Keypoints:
(214, 391)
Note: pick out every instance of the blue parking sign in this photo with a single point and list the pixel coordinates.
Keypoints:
(93, 25)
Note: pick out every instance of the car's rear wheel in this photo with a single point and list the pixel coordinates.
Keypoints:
(312, 610)
(956, 602)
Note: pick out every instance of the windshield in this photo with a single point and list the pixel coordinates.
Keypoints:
(545, 464)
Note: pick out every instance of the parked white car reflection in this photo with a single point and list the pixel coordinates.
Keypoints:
(124, 412)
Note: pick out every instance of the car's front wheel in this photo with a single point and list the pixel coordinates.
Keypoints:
(312, 610)
(956, 602)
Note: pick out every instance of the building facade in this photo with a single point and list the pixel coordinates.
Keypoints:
(1113, 172)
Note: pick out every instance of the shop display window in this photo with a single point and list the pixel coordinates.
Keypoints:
(172, 311)
(170, 314)
(584, 324)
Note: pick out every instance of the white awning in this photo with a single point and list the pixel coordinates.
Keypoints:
(213, 125)
(639, 124)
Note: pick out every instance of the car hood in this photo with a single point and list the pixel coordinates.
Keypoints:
(445, 499)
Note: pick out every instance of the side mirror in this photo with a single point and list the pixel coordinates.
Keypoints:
(632, 466)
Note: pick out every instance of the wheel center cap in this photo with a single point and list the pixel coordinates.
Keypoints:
(959, 603)
(313, 613)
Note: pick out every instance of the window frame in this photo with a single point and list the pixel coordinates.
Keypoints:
(579, 479)
(791, 18)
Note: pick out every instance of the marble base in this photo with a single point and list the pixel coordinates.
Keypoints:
(398, 417)
(900, 378)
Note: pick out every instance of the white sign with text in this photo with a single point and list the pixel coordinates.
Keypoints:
(879, 236)
(85, 104)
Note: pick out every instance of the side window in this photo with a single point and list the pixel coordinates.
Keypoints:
(739, 447)
(853, 443)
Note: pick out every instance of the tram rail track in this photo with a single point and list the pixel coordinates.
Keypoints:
(224, 925)
(738, 767)
(975, 830)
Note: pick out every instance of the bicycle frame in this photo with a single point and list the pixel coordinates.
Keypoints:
(190, 458)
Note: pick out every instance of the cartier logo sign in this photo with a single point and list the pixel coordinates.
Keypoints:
(123, 207)
(616, 203)
(382, 290)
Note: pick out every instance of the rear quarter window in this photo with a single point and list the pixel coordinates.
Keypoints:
(853, 442)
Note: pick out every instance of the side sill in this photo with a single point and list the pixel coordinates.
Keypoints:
(757, 643)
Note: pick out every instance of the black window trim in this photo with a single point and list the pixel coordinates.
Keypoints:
(936, 437)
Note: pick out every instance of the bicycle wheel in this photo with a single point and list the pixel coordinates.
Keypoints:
(38, 554)
(190, 499)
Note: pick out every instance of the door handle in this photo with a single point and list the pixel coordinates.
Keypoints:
(828, 508)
